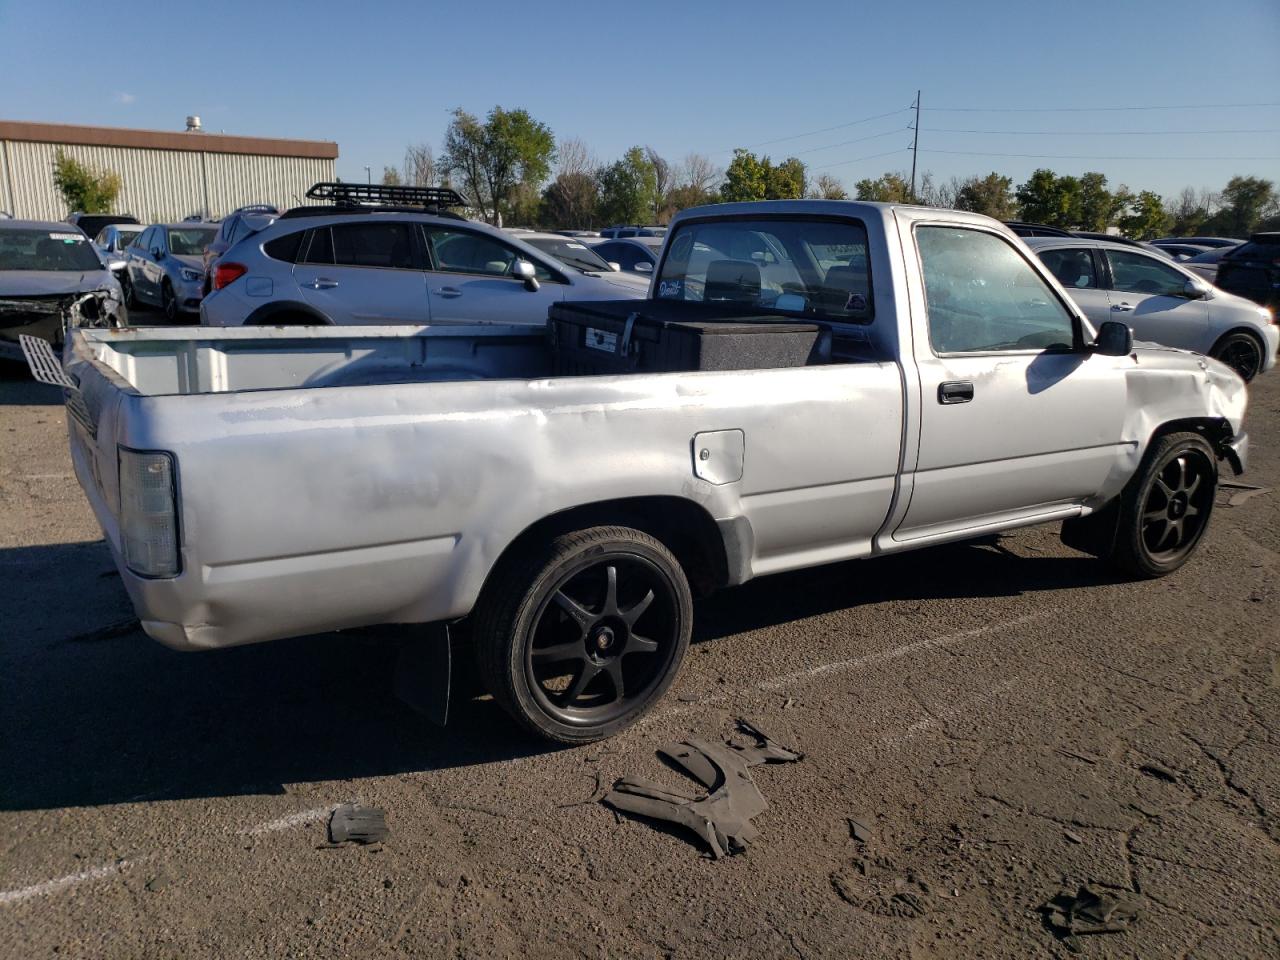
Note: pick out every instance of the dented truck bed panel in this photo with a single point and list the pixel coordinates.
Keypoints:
(335, 477)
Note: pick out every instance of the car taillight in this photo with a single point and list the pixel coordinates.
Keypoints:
(226, 273)
(148, 512)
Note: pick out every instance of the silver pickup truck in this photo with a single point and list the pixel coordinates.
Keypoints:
(809, 382)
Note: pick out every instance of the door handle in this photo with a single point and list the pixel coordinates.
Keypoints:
(1121, 307)
(321, 283)
(955, 391)
(447, 292)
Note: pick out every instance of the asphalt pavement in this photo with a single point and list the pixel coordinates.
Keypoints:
(1005, 719)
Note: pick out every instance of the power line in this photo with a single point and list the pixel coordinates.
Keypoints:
(797, 136)
(1183, 106)
(873, 156)
(1076, 156)
(1094, 133)
(845, 143)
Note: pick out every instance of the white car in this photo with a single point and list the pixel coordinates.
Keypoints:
(362, 262)
(1161, 301)
(572, 252)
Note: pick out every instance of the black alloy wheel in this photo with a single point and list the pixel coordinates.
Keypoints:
(1242, 353)
(1165, 510)
(578, 637)
(168, 302)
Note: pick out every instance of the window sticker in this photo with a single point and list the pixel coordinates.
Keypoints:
(68, 237)
(671, 289)
(856, 302)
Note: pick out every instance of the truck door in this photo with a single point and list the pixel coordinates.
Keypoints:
(1018, 420)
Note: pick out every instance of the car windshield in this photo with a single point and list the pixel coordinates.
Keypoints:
(68, 250)
(802, 266)
(189, 241)
(569, 251)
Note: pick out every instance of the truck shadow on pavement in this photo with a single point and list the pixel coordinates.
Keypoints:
(93, 712)
(18, 389)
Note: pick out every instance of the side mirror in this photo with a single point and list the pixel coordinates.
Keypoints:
(523, 270)
(158, 253)
(1115, 339)
(1195, 290)
(644, 266)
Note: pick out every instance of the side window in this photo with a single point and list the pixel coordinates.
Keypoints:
(1073, 269)
(461, 251)
(284, 248)
(982, 296)
(321, 247)
(386, 245)
(1134, 273)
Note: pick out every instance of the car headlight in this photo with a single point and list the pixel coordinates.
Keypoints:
(1267, 315)
(190, 275)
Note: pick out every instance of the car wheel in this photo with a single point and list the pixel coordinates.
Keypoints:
(1165, 509)
(168, 302)
(579, 637)
(1241, 352)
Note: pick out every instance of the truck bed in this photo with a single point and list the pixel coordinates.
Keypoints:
(169, 361)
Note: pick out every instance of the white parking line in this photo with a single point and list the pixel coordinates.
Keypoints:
(52, 886)
(291, 821)
(856, 663)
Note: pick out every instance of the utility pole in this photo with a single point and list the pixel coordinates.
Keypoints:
(915, 147)
(368, 176)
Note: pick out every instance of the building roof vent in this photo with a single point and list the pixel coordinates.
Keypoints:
(193, 124)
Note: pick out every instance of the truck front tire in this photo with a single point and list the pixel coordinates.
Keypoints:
(577, 638)
(1165, 509)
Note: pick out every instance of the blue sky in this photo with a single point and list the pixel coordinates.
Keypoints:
(687, 76)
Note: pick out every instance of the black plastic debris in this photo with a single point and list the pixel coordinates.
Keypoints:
(859, 830)
(1159, 772)
(357, 824)
(1090, 910)
(721, 818)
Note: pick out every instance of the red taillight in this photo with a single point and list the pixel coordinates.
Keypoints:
(228, 273)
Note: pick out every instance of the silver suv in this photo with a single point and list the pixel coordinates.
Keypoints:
(377, 265)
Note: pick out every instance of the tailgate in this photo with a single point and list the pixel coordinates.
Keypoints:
(93, 402)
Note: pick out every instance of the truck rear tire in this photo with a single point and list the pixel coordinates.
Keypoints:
(1165, 509)
(577, 638)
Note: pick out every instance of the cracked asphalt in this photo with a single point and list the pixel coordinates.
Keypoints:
(1005, 717)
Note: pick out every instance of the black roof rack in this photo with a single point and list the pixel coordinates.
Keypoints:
(378, 198)
(359, 194)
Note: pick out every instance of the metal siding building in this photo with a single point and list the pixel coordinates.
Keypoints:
(164, 176)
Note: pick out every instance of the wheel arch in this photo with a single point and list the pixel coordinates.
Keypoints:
(263, 315)
(681, 525)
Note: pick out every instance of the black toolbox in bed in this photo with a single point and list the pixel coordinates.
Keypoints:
(658, 336)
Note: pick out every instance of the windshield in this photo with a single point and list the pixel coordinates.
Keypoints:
(569, 251)
(189, 241)
(803, 266)
(47, 250)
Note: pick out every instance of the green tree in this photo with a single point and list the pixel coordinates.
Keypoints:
(1245, 201)
(786, 180)
(391, 177)
(509, 148)
(891, 188)
(1145, 217)
(1190, 211)
(991, 195)
(1048, 198)
(746, 177)
(84, 190)
(627, 188)
(1097, 206)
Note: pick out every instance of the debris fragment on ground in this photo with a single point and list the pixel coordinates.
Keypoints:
(357, 824)
(1091, 909)
(859, 830)
(1245, 491)
(721, 818)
